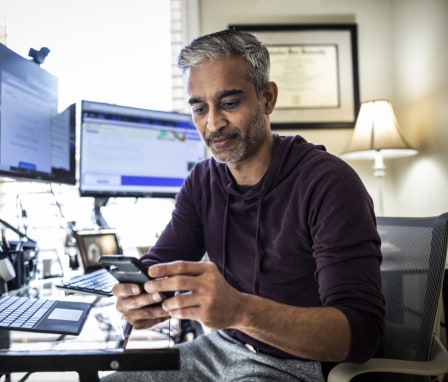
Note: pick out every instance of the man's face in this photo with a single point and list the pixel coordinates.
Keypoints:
(226, 110)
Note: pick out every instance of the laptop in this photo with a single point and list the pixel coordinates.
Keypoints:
(98, 283)
(91, 245)
(94, 243)
(42, 315)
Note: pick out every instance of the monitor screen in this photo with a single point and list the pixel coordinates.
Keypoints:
(36, 142)
(94, 243)
(127, 151)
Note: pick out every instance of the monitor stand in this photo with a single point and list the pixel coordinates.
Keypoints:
(98, 217)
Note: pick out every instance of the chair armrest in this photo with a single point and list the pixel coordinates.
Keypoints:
(438, 364)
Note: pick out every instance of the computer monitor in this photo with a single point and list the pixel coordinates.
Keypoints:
(36, 142)
(128, 151)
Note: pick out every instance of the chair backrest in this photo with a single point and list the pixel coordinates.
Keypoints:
(414, 260)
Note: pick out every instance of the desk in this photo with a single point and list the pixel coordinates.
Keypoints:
(94, 349)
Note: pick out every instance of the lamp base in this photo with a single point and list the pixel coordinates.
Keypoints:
(379, 171)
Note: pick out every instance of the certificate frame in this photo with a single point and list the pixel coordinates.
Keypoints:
(317, 67)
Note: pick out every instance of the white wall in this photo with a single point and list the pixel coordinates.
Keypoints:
(401, 57)
(420, 62)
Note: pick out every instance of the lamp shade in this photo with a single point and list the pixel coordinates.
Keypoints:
(377, 129)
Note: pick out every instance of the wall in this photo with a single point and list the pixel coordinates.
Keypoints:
(401, 57)
(421, 91)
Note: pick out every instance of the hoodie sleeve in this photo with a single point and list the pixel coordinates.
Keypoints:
(347, 252)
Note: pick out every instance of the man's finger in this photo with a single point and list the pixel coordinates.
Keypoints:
(123, 290)
(177, 268)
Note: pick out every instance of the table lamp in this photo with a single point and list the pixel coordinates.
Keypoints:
(377, 135)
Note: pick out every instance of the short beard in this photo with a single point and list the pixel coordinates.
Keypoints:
(245, 146)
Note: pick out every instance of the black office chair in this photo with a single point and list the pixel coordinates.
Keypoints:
(413, 268)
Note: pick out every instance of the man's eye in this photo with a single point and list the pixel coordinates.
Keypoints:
(198, 110)
(230, 104)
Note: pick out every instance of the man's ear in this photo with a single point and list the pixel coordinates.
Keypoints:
(269, 97)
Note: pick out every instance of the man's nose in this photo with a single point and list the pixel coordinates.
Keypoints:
(216, 119)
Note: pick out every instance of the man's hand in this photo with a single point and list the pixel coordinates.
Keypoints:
(320, 333)
(138, 308)
(204, 294)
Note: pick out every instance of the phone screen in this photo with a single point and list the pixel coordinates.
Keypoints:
(125, 269)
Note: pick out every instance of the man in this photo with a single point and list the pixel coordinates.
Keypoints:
(293, 280)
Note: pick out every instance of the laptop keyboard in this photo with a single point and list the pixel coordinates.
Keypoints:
(22, 312)
(99, 282)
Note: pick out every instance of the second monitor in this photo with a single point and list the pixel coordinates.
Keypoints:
(127, 151)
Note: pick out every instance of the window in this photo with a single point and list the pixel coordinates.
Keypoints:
(104, 50)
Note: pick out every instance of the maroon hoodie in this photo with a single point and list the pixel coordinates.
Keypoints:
(305, 235)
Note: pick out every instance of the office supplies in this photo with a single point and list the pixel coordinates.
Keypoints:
(42, 315)
(22, 256)
(7, 271)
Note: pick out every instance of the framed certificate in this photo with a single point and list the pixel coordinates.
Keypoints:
(316, 70)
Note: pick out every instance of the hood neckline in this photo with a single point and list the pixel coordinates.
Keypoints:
(276, 169)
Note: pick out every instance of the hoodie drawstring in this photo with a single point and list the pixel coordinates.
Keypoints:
(224, 235)
(258, 254)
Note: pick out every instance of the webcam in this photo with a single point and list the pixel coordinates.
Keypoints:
(39, 56)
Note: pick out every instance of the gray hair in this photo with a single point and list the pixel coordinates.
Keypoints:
(225, 44)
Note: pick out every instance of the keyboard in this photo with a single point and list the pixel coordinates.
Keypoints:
(37, 314)
(23, 312)
(99, 282)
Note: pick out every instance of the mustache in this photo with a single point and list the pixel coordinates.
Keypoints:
(220, 134)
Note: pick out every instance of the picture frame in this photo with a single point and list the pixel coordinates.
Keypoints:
(315, 67)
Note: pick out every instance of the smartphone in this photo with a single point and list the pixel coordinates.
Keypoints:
(126, 269)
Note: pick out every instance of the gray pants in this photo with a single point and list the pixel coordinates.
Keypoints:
(217, 357)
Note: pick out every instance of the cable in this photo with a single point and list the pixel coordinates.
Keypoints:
(59, 207)
(22, 218)
(126, 333)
